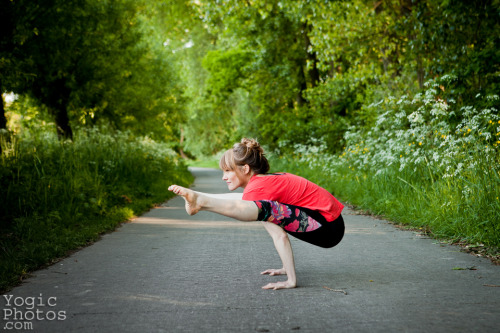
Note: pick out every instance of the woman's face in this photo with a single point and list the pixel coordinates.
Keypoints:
(238, 177)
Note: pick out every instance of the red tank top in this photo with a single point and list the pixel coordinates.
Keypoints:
(294, 190)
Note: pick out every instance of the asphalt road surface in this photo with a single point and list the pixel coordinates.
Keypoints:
(169, 272)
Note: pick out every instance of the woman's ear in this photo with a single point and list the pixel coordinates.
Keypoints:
(246, 169)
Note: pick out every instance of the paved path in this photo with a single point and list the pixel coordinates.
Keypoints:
(169, 272)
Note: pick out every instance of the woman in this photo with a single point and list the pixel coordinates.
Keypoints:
(286, 203)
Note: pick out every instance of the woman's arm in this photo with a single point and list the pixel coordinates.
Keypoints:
(284, 248)
(228, 196)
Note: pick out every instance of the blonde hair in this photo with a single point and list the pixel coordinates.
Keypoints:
(248, 151)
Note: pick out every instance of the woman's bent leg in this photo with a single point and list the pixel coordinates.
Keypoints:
(302, 223)
(328, 236)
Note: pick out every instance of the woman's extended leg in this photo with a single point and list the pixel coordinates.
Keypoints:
(244, 211)
(284, 248)
(196, 201)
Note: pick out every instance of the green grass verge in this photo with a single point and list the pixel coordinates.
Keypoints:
(208, 162)
(423, 161)
(436, 207)
(59, 196)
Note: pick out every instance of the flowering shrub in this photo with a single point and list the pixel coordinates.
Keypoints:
(419, 134)
(425, 161)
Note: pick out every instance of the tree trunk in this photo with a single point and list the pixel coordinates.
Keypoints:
(57, 102)
(181, 142)
(420, 72)
(302, 87)
(3, 119)
(63, 127)
(313, 72)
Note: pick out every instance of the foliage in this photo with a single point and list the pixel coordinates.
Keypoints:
(308, 67)
(91, 62)
(270, 69)
(58, 196)
(426, 162)
(315, 77)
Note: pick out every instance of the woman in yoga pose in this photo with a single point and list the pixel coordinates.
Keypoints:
(286, 203)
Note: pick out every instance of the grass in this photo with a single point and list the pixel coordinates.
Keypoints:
(206, 162)
(438, 208)
(59, 196)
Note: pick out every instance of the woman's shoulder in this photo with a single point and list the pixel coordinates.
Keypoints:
(276, 179)
(281, 179)
(268, 178)
(267, 186)
(279, 175)
(271, 174)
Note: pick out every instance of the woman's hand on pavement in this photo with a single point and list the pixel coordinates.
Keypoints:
(280, 285)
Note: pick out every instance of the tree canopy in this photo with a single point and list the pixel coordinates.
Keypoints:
(205, 73)
(91, 61)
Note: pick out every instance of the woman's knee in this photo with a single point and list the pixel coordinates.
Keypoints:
(275, 231)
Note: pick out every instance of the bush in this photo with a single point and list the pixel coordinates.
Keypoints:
(425, 161)
(58, 196)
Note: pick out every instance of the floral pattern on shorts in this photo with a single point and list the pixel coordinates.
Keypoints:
(288, 217)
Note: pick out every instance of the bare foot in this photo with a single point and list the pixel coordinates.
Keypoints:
(193, 205)
(280, 285)
(273, 272)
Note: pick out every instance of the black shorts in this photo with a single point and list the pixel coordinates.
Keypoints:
(327, 236)
(302, 223)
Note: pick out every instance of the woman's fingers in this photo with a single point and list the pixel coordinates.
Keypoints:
(279, 285)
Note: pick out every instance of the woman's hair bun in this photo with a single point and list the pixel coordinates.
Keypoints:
(247, 151)
(252, 144)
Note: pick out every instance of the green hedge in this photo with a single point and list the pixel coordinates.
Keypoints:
(425, 162)
(58, 196)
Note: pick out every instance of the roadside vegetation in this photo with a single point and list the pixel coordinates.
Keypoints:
(425, 162)
(58, 196)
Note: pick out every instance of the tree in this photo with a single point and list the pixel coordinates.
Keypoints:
(262, 62)
(6, 48)
(91, 61)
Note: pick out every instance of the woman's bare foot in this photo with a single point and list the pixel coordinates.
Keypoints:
(273, 272)
(193, 204)
(280, 285)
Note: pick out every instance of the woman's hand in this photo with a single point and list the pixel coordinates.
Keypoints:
(280, 285)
